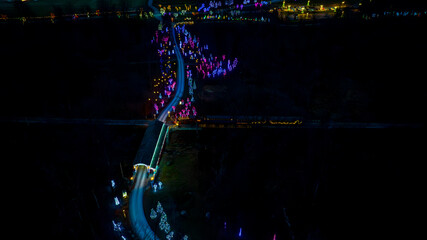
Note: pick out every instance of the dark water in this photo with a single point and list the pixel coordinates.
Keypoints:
(60, 178)
(334, 184)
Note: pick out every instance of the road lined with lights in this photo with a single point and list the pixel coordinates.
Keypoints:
(136, 209)
(179, 79)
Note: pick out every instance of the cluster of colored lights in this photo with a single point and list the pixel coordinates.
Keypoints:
(205, 66)
(213, 67)
(232, 18)
(165, 84)
(186, 110)
(163, 223)
(218, 4)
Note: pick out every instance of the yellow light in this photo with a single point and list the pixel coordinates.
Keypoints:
(152, 178)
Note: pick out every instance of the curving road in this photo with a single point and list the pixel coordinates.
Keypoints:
(179, 81)
(136, 210)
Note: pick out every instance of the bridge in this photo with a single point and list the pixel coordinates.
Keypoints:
(149, 152)
(154, 131)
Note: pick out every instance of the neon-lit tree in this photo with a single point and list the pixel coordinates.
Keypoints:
(159, 208)
(156, 108)
(170, 235)
(167, 228)
(153, 214)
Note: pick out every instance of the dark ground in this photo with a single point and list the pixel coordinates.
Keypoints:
(334, 184)
(58, 178)
(96, 69)
(333, 70)
(357, 72)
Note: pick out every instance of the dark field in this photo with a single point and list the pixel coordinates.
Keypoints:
(342, 71)
(334, 184)
(58, 178)
(96, 69)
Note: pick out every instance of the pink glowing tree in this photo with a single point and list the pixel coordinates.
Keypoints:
(156, 108)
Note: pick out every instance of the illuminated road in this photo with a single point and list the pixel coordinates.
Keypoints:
(180, 82)
(136, 209)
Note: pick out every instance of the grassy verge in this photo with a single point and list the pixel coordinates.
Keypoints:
(181, 197)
